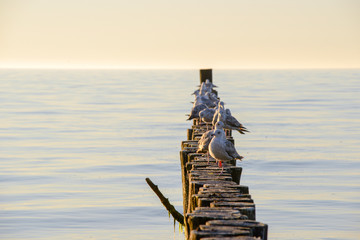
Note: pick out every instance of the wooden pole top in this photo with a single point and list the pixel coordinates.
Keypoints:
(205, 74)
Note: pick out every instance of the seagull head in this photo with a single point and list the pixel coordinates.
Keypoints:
(218, 133)
(219, 125)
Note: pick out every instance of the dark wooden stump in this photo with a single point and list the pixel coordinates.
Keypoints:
(205, 74)
(231, 238)
(245, 208)
(201, 215)
(257, 229)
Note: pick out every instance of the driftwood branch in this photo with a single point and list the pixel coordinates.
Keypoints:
(176, 215)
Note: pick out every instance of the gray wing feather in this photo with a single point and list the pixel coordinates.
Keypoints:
(230, 149)
(205, 141)
(233, 123)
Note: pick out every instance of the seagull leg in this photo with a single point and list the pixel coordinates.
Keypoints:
(222, 167)
(208, 157)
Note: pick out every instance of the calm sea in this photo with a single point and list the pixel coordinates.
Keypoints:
(77, 145)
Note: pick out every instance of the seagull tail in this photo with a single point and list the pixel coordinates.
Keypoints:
(242, 130)
(239, 158)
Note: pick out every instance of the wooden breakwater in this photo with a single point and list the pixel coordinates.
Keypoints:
(216, 205)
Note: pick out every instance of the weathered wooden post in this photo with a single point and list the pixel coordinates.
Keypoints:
(205, 74)
(215, 205)
(212, 194)
(189, 134)
(185, 188)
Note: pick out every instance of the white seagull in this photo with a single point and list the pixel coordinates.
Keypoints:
(205, 139)
(222, 149)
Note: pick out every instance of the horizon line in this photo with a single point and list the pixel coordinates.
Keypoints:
(169, 68)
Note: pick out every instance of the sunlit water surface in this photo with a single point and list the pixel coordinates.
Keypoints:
(77, 145)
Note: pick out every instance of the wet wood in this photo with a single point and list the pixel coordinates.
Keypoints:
(176, 215)
(203, 214)
(185, 182)
(189, 134)
(215, 205)
(257, 229)
(236, 173)
(219, 232)
(245, 208)
(205, 74)
(230, 238)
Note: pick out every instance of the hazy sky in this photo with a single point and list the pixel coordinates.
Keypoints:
(180, 34)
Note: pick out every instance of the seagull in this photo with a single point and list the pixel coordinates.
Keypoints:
(205, 139)
(195, 111)
(218, 107)
(222, 149)
(212, 97)
(196, 92)
(207, 85)
(231, 122)
(221, 116)
(206, 115)
(204, 99)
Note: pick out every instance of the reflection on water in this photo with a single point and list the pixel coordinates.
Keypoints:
(76, 147)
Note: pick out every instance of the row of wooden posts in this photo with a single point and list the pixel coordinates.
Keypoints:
(216, 205)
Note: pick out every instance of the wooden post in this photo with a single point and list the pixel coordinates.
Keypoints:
(205, 74)
(185, 188)
(189, 134)
(214, 194)
(236, 174)
(176, 215)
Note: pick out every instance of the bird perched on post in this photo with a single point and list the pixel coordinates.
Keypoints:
(206, 115)
(205, 139)
(218, 108)
(194, 114)
(201, 102)
(222, 149)
(207, 86)
(231, 122)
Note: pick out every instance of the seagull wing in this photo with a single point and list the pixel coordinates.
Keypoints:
(235, 124)
(231, 151)
(205, 141)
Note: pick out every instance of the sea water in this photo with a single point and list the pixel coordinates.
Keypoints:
(77, 145)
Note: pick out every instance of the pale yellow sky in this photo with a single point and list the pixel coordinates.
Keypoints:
(180, 34)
